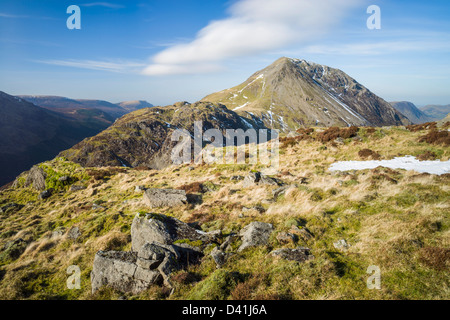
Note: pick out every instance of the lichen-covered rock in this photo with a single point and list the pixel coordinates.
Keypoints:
(299, 254)
(36, 178)
(220, 257)
(118, 270)
(161, 229)
(157, 198)
(136, 271)
(74, 233)
(341, 245)
(255, 234)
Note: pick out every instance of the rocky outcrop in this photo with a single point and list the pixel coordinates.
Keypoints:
(255, 234)
(157, 198)
(162, 229)
(153, 258)
(36, 178)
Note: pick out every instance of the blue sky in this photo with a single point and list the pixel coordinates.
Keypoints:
(165, 51)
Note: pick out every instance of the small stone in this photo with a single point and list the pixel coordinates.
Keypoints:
(219, 257)
(140, 189)
(286, 238)
(341, 245)
(299, 254)
(46, 194)
(74, 188)
(74, 233)
(64, 179)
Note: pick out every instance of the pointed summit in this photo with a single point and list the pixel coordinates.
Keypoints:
(291, 93)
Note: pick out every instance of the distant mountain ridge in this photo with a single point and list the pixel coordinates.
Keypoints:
(436, 112)
(292, 93)
(131, 106)
(37, 128)
(69, 106)
(414, 114)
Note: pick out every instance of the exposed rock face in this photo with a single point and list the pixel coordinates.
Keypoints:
(255, 234)
(161, 229)
(157, 198)
(299, 254)
(152, 259)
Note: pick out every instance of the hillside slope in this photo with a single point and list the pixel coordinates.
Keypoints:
(292, 93)
(30, 134)
(436, 112)
(143, 137)
(68, 106)
(409, 110)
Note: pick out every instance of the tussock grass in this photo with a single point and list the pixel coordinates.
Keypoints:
(395, 219)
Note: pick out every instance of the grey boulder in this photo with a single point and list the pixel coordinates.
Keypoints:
(158, 198)
(255, 234)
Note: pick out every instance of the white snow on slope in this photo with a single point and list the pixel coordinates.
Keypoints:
(407, 163)
(240, 107)
(261, 76)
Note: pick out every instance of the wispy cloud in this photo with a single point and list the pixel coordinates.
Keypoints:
(253, 27)
(103, 4)
(12, 16)
(118, 66)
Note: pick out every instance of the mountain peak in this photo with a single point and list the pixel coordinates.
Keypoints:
(292, 93)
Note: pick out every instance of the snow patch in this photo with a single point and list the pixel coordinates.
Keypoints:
(407, 163)
(243, 106)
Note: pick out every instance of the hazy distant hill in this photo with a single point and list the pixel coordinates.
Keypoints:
(292, 93)
(131, 106)
(68, 106)
(437, 112)
(409, 110)
(30, 134)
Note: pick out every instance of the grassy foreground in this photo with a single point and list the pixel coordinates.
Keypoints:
(394, 219)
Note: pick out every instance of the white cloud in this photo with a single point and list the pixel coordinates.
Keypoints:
(253, 27)
(103, 4)
(119, 66)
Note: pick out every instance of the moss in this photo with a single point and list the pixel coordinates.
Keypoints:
(216, 287)
(191, 243)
